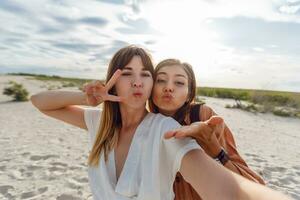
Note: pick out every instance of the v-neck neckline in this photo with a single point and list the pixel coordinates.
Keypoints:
(129, 169)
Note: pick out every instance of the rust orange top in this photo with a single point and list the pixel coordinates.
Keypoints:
(184, 191)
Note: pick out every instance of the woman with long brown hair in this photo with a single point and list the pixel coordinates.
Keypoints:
(129, 157)
(174, 93)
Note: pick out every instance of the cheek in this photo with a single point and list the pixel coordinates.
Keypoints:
(156, 93)
(157, 90)
(183, 95)
(149, 86)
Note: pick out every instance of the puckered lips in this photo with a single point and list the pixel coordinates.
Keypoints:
(137, 94)
(167, 97)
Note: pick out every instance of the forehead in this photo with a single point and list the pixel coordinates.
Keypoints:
(172, 70)
(135, 64)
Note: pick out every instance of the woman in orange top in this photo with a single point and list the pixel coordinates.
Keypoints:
(173, 95)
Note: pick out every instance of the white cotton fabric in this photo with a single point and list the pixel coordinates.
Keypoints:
(151, 164)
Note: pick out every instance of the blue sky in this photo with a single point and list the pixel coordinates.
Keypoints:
(230, 43)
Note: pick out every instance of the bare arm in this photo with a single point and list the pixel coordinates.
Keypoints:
(53, 100)
(223, 137)
(212, 181)
(204, 133)
(61, 105)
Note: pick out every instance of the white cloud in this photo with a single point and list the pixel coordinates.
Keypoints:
(289, 9)
(48, 33)
(258, 49)
(79, 35)
(196, 10)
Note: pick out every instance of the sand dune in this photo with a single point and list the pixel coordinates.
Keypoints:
(42, 158)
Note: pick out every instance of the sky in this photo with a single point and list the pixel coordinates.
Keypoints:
(230, 43)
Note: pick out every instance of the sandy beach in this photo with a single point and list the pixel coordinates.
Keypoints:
(43, 158)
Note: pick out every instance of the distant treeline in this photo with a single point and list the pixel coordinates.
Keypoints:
(276, 98)
(43, 77)
(262, 97)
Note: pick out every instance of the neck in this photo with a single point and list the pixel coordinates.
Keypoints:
(132, 117)
(167, 112)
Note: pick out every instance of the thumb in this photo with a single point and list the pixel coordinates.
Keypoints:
(214, 120)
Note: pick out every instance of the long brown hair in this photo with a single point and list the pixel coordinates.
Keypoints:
(111, 121)
(185, 108)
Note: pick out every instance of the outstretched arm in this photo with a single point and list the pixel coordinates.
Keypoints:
(223, 137)
(212, 181)
(212, 134)
(61, 105)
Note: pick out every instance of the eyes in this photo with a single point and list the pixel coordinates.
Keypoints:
(179, 83)
(160, 81)
(164, 81)
(143, 74)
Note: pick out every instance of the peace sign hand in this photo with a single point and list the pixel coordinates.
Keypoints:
(97, 92)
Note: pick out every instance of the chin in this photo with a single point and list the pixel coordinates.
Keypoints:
(136, 104)
(167, 106)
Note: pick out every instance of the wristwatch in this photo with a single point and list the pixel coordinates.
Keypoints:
(222, 157)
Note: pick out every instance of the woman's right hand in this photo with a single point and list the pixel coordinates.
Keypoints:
(203, 132)
(97, 92)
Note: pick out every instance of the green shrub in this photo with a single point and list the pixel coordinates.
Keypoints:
(68, 84)
(228, 106)
(16, 90)
(274, 99)
(53, 87)
(224, 93)
(282, 112)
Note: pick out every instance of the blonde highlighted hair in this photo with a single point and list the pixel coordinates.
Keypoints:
(111, 122)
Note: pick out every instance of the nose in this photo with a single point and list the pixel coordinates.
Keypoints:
(169, 88)
(137, 85)
(137, 82)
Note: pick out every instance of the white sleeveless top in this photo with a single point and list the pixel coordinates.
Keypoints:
(151, 164)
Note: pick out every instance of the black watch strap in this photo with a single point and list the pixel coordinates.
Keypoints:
(222, 157)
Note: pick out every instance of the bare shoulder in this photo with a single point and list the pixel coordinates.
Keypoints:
(205, 112)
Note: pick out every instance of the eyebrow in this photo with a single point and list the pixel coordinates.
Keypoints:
(179, 75)
(130, 68)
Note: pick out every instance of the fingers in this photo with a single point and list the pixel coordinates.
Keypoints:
(89, 88)
(177, 133)
(97, 84)
(100, 91)
(214, 120)
(113, 79)
(114, 98)
(169, 134)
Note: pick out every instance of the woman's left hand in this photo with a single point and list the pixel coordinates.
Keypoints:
(203, 132)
